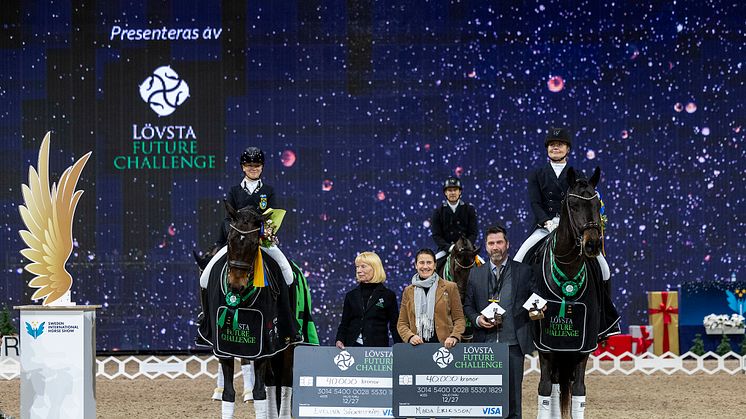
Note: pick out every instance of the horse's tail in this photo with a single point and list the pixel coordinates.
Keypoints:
(565, 372)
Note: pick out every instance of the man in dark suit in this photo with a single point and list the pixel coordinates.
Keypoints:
(510, 284)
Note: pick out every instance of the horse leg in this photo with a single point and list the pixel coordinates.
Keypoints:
(555, 406)
(578, 390)
(270, 386)
(259, 393)
(217, 394)
(545, 387)
(247, 369)
(284, 364)
(229, 393)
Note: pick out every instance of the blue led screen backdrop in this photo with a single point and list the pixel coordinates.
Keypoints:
(363, 109)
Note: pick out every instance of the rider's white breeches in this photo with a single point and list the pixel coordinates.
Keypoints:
(273, 251)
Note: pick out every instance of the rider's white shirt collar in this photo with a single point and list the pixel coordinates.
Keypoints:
(558, 167)
(454, 206)
(251, 185)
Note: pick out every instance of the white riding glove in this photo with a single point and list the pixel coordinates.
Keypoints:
(550, 225)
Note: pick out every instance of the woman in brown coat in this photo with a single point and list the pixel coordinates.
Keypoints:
(431, 309)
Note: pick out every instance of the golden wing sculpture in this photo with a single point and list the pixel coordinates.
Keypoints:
(48, 215)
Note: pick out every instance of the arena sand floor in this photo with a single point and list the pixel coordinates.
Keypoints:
(636, 396)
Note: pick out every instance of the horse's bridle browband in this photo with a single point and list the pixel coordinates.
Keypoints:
(245, 232)
(583, 197)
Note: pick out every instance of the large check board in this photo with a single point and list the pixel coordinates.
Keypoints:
(469, 380)
(354, 383)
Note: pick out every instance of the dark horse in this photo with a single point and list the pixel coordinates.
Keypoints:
(259, 323)
(579, 311)
(456, 269)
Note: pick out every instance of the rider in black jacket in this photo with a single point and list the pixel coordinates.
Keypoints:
(251, 192)
(547, 187)
(452, 219)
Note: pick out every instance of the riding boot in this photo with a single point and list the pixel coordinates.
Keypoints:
(271, 402)
(260, 409)
(544, 407)
(286, 404)
(555, 405)
(578, 407)
(248, 381)
(227, 410)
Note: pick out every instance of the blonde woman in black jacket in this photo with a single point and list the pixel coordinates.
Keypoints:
(370, 310)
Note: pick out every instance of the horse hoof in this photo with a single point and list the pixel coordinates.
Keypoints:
(217, 394)
(248, 396)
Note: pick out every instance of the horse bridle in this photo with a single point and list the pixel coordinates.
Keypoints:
(578, 232)
(239, 264)
(455, 260)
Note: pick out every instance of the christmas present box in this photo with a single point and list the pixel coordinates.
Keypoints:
(615, 345)
(663, 312)
(642, 339)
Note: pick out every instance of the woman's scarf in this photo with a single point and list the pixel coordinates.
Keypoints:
(424, 305)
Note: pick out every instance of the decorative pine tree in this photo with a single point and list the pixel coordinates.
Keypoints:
(698, 345)
(743, 346)
(724, 346)
(6, 324)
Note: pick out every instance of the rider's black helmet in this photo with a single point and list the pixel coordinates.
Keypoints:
(452, 182)
(252, 155)
(558, 134)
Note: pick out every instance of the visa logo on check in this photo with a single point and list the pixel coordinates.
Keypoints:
(492, 411)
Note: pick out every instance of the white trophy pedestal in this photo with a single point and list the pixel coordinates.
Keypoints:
(58, 361)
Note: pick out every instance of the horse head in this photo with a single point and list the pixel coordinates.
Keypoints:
(464, 253)
(582, 210)
(243, 245)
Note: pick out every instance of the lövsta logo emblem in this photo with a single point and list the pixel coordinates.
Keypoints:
(344, 360)
(443, 357)
(164, 91)
(34, 329)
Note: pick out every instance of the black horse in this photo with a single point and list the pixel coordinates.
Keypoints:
(260, 323)
(456, 269)
(579, 311)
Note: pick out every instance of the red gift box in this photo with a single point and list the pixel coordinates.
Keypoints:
(615, 345)
(642, 339)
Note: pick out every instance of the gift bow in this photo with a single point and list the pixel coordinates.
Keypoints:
(643, 342)
(667, 311)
